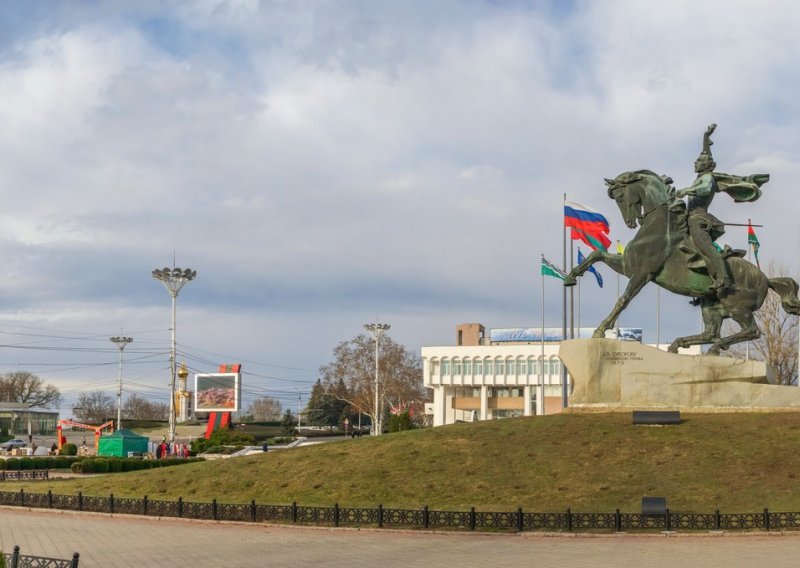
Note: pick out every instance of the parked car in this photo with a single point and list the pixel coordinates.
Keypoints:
(11, 444)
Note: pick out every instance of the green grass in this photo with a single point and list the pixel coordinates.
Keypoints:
(598, 462)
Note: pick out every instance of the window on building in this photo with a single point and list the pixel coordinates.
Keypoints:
(506, 413)
(489, 365)
(501, 367)
(555, 365)
(512, 368)
(467, 368)
(479, 368)
(457, 368)
(434, 367)
(445, 368)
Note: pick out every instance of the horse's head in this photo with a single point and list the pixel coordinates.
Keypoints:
(625, 191)
(638, 193)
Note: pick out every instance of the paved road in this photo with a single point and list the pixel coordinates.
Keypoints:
(122, 541)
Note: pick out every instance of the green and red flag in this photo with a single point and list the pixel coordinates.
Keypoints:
(752, 240)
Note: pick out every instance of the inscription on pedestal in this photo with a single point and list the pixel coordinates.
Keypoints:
(620, 357)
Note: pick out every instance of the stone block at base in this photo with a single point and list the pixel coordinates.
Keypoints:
(609, 375)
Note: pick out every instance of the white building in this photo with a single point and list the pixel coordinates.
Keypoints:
(513, 372)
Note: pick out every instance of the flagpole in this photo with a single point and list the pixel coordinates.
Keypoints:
(617, 324)
(572, 294)
(749, 259)
(564, 310)
(540, 395)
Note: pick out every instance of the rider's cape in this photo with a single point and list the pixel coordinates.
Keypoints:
(741, 188)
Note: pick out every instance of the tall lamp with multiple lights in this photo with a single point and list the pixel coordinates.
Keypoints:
(121, 343)
(173, 280)
(377, 330)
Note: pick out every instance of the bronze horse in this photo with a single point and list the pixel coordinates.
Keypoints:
(661, 252)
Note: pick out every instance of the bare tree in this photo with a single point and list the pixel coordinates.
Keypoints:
(351, 375)
(94, 407)
(265, 409)
(777, 345)
(27, 388)
(139, 408)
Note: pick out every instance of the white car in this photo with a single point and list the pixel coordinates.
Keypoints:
(11, 444)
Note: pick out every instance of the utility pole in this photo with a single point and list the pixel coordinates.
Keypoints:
(121, 343)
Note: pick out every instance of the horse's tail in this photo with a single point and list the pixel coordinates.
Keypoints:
(787, 289)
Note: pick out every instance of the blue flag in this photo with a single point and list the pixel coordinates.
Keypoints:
(592, 269)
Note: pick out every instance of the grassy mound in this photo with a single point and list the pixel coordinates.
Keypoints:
(734, 462)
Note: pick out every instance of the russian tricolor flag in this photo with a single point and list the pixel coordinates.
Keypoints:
(587, 225)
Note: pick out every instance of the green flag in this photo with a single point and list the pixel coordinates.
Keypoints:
(550, 269)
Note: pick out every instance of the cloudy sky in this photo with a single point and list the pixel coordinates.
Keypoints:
(323, 164)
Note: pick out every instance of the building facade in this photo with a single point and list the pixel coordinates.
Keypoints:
(19, 420)
(510, 372)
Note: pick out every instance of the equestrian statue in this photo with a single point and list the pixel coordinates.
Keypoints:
(674, 247)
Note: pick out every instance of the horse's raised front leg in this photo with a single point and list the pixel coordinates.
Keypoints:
(613, 261)
(713, 316)
(635, 285)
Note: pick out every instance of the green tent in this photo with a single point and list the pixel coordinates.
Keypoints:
(120, 443)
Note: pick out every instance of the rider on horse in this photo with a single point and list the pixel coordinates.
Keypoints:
(705, 228)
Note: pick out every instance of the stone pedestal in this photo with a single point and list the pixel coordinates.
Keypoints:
(608, 374)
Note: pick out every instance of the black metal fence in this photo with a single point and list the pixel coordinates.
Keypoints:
(17, 560)
(24, 474)
(384, 517)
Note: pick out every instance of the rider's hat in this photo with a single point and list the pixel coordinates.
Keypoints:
(705, 154)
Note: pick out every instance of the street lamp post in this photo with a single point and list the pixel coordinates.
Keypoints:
(120, 342)
(377, 330)
(173, 280)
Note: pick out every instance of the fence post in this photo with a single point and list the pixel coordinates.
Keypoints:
(472, 520)
(426, 521)
(111, 503)
(618, 521)
(15, 556)
(569, 520)
(253, 511)
(75, 558)
(717, 520)
(144, 502)
(214, 509)
(380, 516)
(667, 520)
(766, 519)
(294, 512)
(49, 499)
(520, 520)
(80, 500)
(336, 514)
(180, 507)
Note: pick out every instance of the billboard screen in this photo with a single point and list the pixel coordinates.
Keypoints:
(220, 392)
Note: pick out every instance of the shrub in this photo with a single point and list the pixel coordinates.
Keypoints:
(25, 463)
(69, 450)
(42, 463)
(87, 466)
(226, 437)
(77, 467)
(114, 465)
(100, 465)
(12, 464)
